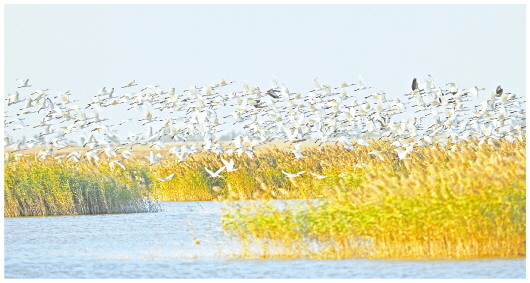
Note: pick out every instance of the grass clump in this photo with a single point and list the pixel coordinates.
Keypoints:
(438, 203)
(51, 188)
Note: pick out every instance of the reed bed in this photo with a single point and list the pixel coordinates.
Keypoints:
(259, 177)
(41, 188)
(463, 202)
(459, 201)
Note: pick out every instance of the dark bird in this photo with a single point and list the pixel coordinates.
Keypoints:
(271, 92)
(415, 84)
(499, 90)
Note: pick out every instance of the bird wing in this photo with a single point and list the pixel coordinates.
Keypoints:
(237, 141)
(290, 134)
(116, 162)
(243, 104)
(220, 170)
(209, 172)
(361, 82)
(226, 163)
(298, 155)
(414, 84)
(363, 142)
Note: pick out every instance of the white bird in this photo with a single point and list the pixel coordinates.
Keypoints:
(153, 159)
(19, 124)
(92, 155)
(429, 83)
(19, 156)
(318, 176)
(115, 163)
(111, 152)
(402, 153)
(377, 153)
(361, 84)
(452, 88)
(346, 143)
(182, 155)
(126, 154)
(297, 152)
(474, 91)
(75, 156)
(133, 83)
(229, 165)
(292, 134)
(246, 151)
(188, 150)
(298, 155)
(47, 104)
(151, 87)
(363, 142)
(158, 145)
(23, 83)
(166, 178)
(14, 98)
(291, 175)
(28, 103)
(43, 154)
(216, 173)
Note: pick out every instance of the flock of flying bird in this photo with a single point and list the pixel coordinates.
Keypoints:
(427, 115)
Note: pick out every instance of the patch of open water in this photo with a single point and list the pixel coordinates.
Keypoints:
(162, 245)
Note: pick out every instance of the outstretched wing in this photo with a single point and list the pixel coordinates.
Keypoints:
(220, 170)
(209, 172)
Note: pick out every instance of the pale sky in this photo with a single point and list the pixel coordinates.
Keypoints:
(85, 47)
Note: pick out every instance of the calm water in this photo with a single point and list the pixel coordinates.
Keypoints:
(161, 245)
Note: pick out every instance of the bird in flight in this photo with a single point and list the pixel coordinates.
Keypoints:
(23, 83)
(166, 178)
(318, 176)
(292, 175)
(115, 163)
(216, 173)
(499, 90)
(133, 83)
(415, 84)
(229, 165)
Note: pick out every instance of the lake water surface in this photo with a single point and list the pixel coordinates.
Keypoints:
(164, 245)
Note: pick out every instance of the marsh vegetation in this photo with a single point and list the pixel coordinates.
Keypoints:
(436, 172)
(453, 202)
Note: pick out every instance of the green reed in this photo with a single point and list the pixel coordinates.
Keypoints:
(39, 188)
(440, 203)
(461, 202)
